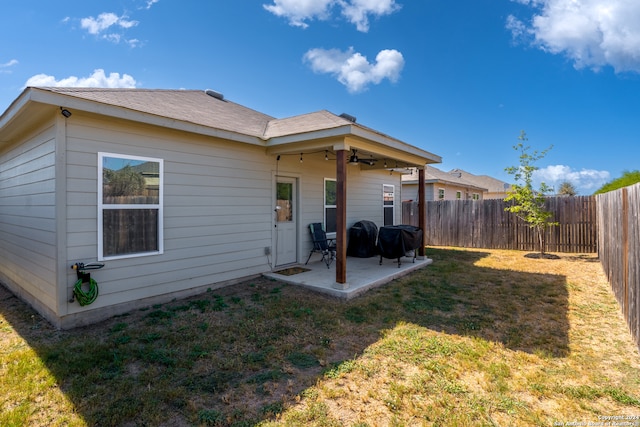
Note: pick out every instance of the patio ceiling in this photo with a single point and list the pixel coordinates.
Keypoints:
(384, 153)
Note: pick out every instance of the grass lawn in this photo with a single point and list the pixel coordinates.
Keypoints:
(480, 337)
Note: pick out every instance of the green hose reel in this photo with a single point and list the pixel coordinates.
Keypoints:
(85, 297)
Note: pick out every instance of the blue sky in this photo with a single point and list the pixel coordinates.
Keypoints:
(458, 78)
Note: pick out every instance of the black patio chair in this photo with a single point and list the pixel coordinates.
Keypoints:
(322, 245)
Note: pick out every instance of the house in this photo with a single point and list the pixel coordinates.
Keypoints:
(175, 192)
(495, 189)
(440, 185)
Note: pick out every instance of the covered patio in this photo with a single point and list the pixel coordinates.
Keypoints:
(351, 145)
(362, 274)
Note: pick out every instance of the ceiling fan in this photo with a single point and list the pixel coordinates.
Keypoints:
(353, 159)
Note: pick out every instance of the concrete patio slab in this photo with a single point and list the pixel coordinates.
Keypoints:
(363, 274)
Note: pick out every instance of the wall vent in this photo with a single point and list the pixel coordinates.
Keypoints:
(214, 94)
(349, 117)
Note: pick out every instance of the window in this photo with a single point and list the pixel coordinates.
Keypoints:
(458, 194)
(330, 208)
(440, 193)
(130, 195)
(387, 204)
(476, 196)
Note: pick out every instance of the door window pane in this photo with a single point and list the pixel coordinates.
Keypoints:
(284, 202)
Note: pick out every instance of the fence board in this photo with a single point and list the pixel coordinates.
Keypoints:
(618, 214)
(485, 224)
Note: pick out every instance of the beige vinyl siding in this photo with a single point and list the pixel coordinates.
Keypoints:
(27, 218)
(364, 193)
(410, 192)
(217, 210)
(364, 196)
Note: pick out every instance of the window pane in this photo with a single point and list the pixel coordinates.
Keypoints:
(129, 231)
(387, 195)
(330, 198)
(129, 181)
(284, 202)
(388, 216)
(330, 220)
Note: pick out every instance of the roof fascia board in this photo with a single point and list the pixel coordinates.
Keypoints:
(385, 151)
(15, 107)
(394, 143)
(355, 137)
(302, 146)
(455, 184)
(340, 131)
(95, 107)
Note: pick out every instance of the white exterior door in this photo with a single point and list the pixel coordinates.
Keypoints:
(286, 235)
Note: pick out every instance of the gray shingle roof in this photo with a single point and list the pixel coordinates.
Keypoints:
(434, 175)
(195, 106)
(191, 106)
(304, 123)
(198, 111)
(492, 184)
(437, 175)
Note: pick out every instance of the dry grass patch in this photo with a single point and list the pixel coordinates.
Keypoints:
(477, 338)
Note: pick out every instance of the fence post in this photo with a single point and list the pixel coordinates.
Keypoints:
(422, 220)
(625, 252)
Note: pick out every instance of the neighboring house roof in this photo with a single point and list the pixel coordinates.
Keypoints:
(492, 185)
(433, 175)
(197, 111)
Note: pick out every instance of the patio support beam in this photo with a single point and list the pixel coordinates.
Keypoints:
(422, 212)
(341, 216)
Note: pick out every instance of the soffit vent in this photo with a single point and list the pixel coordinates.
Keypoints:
(349, 117)
(214, 94)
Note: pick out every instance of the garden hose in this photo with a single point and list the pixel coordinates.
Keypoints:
(86, 298)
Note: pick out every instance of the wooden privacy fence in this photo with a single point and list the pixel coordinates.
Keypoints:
(618, 243)
(485, 224)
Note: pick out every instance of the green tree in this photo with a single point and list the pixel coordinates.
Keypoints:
(627, 178)
(567, 189)
(528, 204)
(123, 182)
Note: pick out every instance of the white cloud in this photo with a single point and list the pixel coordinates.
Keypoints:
(150, 3)
(11, 63)
(518, 29)
(134, 43)
(299, 11)
(591, 33)
(97, 79)
(111, 27)
(353, 70)
(586, 181)
(356, 11)
(104, 21)
(4, 67)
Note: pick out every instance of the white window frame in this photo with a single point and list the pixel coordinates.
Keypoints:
(102, 207)
(325, 206)
(458, 195)
(441, 191)
(392, 206)
(476, 196)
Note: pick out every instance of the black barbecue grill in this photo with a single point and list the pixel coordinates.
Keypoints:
(396, 241)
